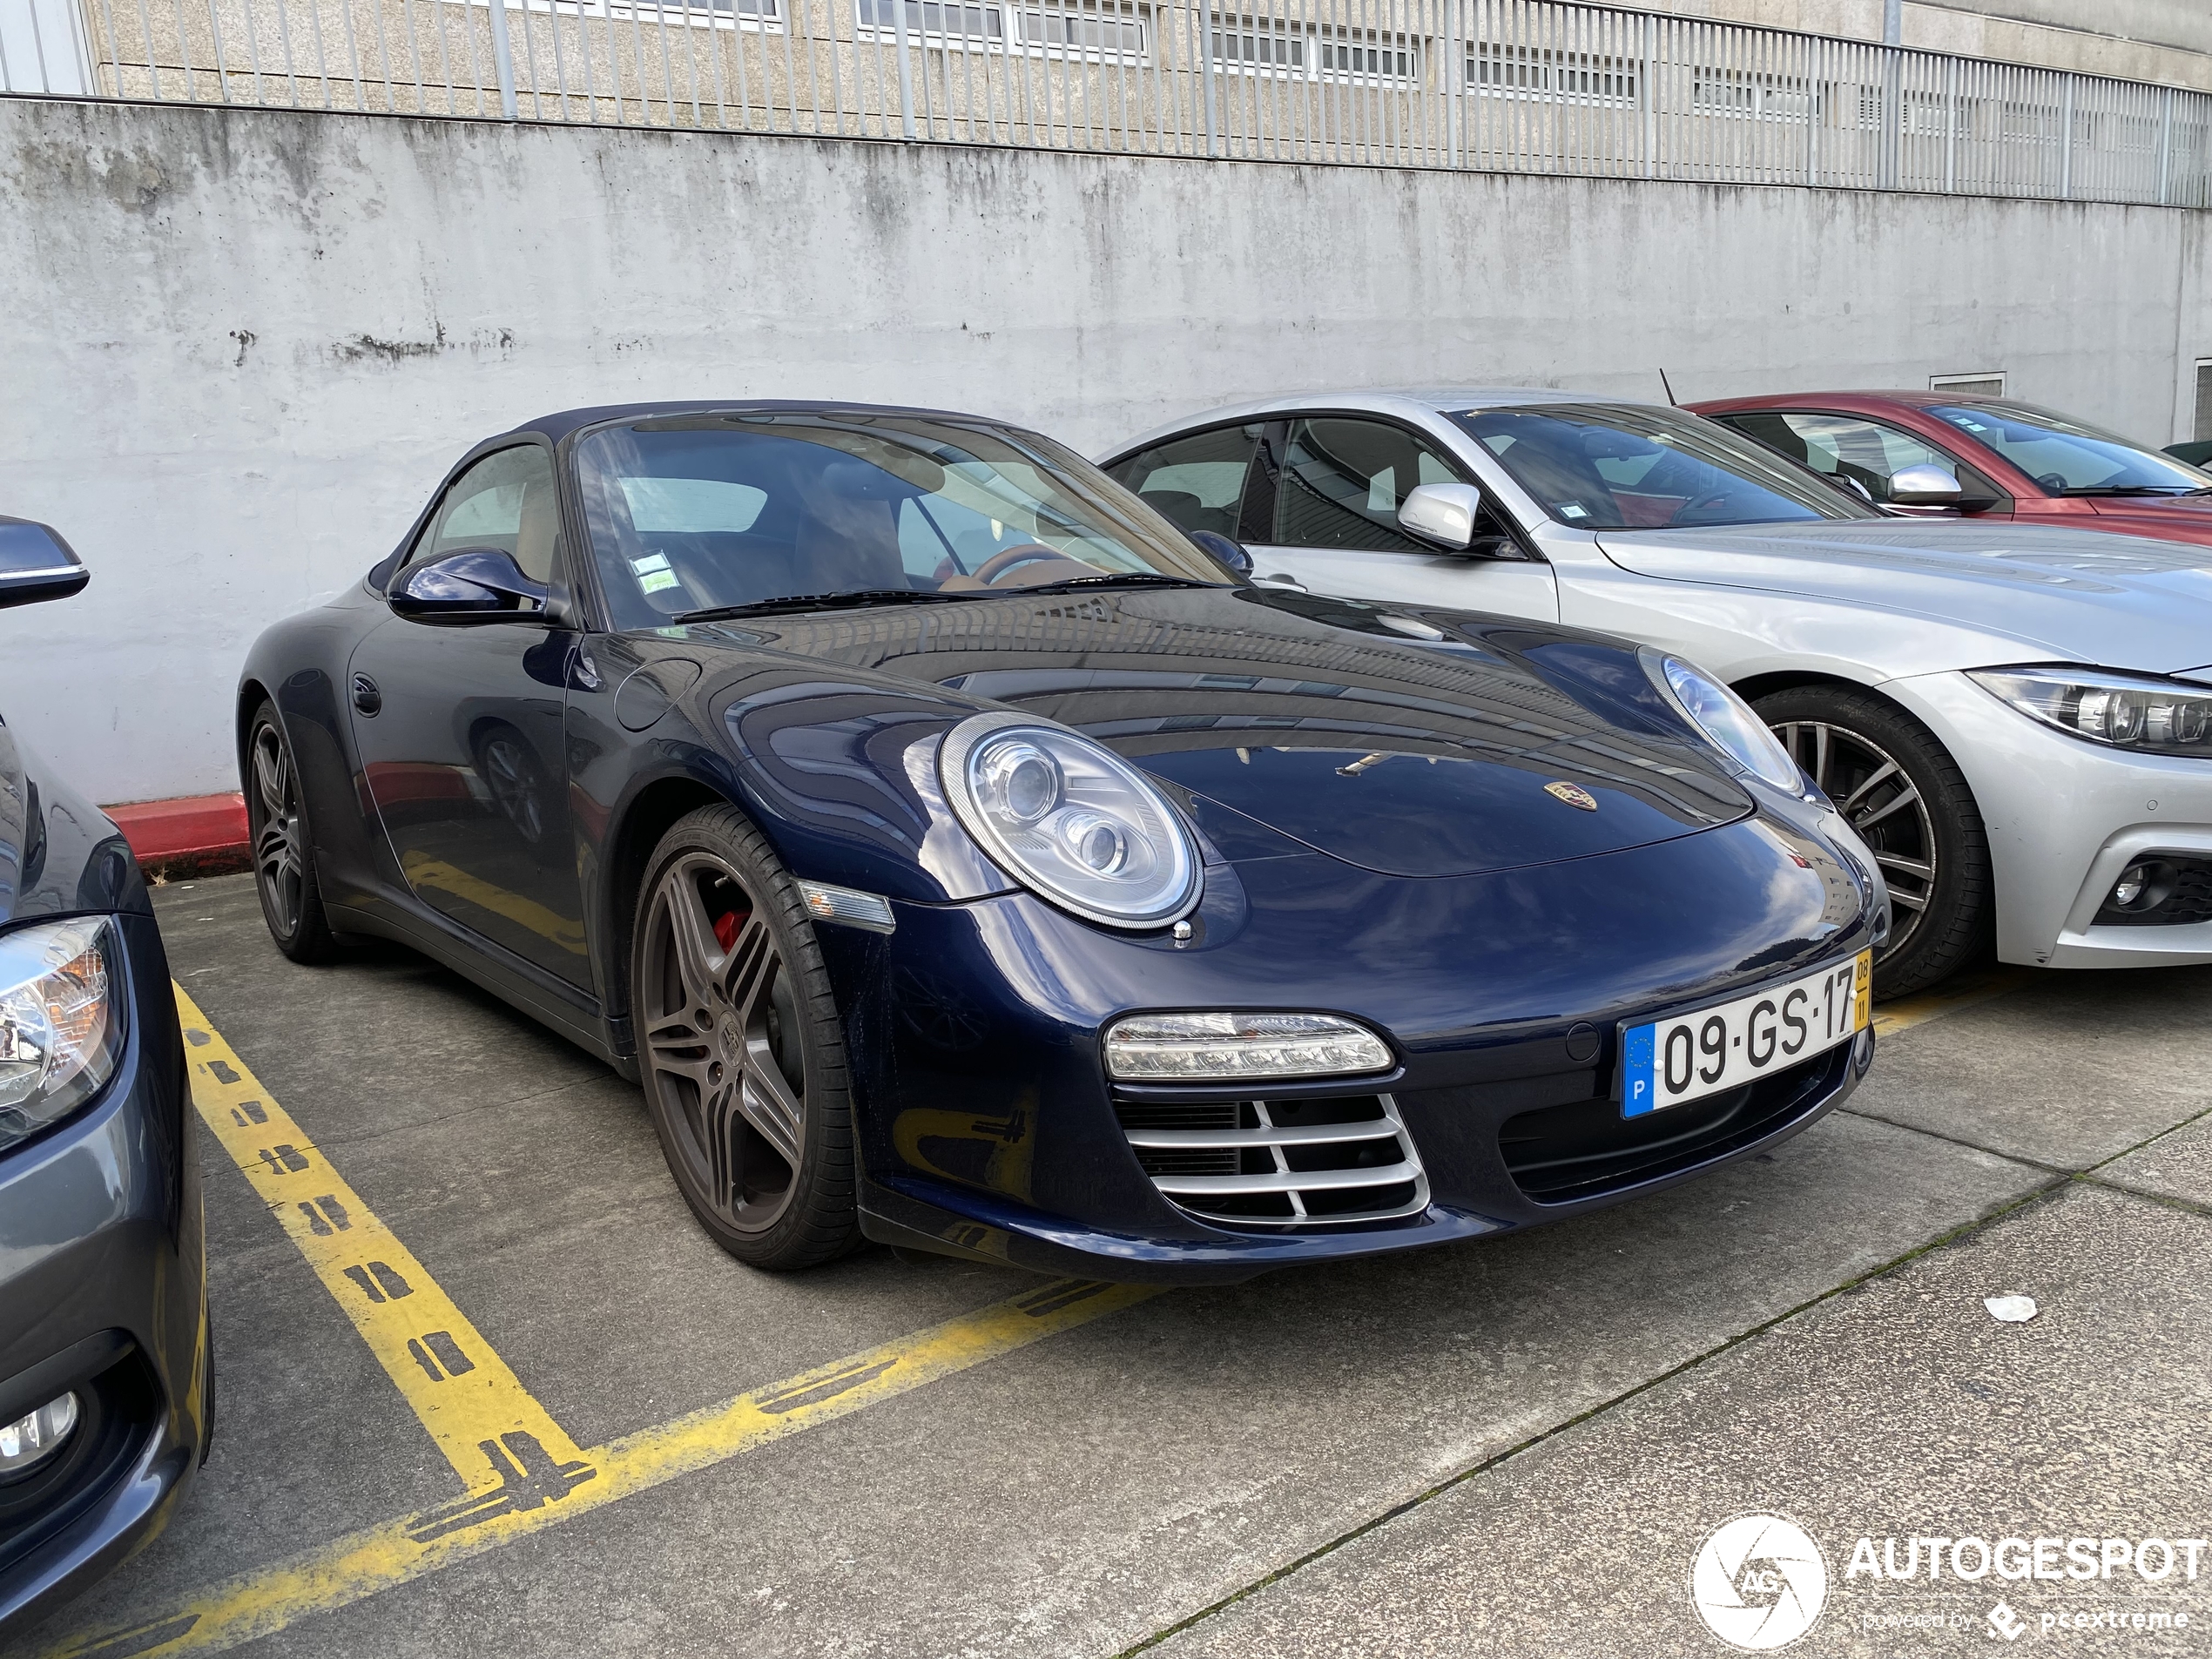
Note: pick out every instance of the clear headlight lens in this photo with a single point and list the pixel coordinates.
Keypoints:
(2136, 711)
(1169, 1048)
(31, 1440)
(1725, 718)
(59, 1030)
(1071, 819)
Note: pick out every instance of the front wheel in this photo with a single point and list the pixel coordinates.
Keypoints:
(1901, 790)
(284, 863)
(740, 1048)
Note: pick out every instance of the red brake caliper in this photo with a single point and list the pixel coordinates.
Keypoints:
(726, 926)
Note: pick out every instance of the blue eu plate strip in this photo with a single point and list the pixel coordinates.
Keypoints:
(1638, 1093)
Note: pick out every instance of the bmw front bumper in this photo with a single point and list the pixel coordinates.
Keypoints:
(2065, 817)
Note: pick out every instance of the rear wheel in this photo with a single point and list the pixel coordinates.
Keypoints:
(740, 1048)
(1901, 790)
(283, 864)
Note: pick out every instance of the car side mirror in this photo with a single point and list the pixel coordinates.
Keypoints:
(1925, 485)
(475, 582)
(1442, 515)
(1227, 549)
(35, 565)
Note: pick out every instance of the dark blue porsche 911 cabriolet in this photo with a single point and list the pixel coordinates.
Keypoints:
(962, 857)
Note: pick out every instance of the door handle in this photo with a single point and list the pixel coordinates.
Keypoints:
(366, 698)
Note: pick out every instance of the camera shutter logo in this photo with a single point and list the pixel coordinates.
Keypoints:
(1759, 1582)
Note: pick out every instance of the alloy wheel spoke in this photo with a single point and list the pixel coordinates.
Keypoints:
(749, 971)
(272, 774)
(697, 952)
(1882, 773)
(724, 1150)
(1899, 804)
(768, 1103)
(679, 1049)
(1904, 866)
(1915, 902)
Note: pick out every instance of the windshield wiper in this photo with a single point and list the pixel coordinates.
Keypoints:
(1116, 579)
(2130, 489)
(851, 598)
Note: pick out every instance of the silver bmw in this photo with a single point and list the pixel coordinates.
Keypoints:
(2018, 720)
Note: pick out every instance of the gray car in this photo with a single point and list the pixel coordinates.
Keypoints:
(104, 1350)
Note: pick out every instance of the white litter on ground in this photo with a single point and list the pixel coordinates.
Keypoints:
(2013, 1309)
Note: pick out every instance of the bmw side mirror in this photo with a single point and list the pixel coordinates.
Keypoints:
(1226, 549)
(474, 583)
(1925, 485)
(35, 564)
(1442, 515)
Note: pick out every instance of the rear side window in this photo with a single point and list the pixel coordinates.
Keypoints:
(1343, 479)
(1197, 482)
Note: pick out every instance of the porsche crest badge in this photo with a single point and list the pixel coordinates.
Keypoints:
(1573, 794)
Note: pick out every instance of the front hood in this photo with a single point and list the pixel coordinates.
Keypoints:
(59, 854)
(2063, 595)
(1410, 743)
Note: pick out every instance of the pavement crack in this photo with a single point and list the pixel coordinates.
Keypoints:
(2061, 1180)
(1971, 1146)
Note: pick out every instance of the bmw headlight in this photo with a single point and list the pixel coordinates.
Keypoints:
(1071, 819)
(2138, 712)
(60, 1029)
(1726, 719)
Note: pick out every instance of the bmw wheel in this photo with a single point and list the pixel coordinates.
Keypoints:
(740, 1048)
(284, 865)
(1901, 790)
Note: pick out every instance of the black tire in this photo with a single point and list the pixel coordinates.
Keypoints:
(1901, 790)
(284, 859)
(739, 1046)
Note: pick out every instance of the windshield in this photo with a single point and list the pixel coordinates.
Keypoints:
(707, 512)
(1606, 467)
(2067, 458)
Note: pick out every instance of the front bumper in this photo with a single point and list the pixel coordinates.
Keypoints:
(103, 1293)
(2065, 817)
(989, 1129)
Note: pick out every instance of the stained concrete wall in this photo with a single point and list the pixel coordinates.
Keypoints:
(238, 348)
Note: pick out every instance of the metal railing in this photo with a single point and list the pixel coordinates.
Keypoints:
(1515, 85)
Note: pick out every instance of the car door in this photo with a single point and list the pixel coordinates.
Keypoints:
(1855, 449)
(1336, 482)
(459, 728)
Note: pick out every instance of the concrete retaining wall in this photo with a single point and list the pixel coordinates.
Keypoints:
(238, 349)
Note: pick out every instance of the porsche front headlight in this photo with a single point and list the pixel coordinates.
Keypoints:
(1071, 819)
(60, 1027)
(1726, 719)
(2138, 712)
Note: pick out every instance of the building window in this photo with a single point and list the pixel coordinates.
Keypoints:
(1095, 32)
(1989, 383)
(1261, 46)
(1753, 97)
(1551, 77)
(2203, 431)
(935, 21)
(1355, 56)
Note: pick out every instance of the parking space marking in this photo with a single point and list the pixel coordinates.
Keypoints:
(350, 1568)
(477, 1410)
(1968, 990)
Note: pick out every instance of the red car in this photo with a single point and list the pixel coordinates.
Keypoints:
(2007, 459)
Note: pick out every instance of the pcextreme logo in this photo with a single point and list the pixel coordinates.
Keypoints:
(1759, 1582)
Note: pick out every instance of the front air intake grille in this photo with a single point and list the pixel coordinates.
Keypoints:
(1586, 1148)
(1280, 1162)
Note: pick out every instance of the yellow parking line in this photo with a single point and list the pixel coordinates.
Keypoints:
(348, 1569)
(478, 1412)
(1969, 990)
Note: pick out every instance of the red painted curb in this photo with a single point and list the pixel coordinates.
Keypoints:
(197, 834)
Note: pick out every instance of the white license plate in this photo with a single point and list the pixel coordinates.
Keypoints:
(1670, 1062)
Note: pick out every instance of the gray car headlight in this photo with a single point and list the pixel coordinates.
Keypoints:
(60, 1027)
(2138, 712)
(1071, 819)
(1725, 718)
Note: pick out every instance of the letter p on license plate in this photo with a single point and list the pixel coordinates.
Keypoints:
(1670, 1062)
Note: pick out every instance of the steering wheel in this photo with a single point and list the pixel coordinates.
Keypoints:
(1684, 514)
(1000, 563)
